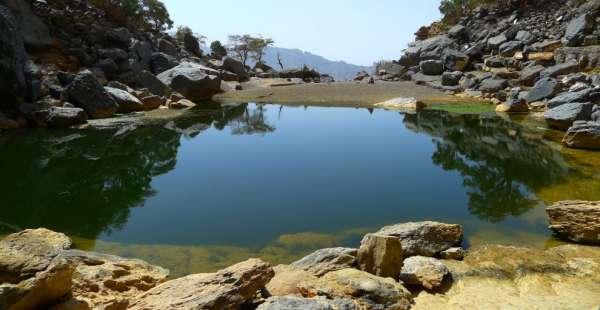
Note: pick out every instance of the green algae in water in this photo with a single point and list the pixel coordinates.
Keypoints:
(198, 193)
(467, 108)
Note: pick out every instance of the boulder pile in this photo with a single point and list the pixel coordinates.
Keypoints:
(527, 56)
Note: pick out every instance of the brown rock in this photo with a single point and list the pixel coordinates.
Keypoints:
(151, 102)
(541, 56)
(380, 255)
(578, 221)
(427, 272)
(453, 253)
(425, 238)
(369, 291)
(286, 280)
(326, 260)
(227, 289)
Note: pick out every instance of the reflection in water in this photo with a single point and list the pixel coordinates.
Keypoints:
(502, 163)
(332, 170)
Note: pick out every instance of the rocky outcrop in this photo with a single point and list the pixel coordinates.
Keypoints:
(583, 135)
(425, 238)
(326, 260)
(227, 289)
(380, 255)
(369, 291)
(578, 221)
(426, 272)
(192, 81)
(86, 92)
(12, 66)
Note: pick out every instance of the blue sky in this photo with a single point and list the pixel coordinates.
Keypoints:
(357, 31)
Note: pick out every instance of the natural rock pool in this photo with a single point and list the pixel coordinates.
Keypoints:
(214, 187)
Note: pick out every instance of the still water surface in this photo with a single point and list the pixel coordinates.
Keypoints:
(218, 186)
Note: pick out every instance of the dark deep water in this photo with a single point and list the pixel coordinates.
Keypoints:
(218, 186)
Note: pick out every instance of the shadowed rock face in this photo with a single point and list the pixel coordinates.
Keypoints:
(501, 162)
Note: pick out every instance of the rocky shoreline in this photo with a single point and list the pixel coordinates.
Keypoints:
(525, 56)
(416, 265)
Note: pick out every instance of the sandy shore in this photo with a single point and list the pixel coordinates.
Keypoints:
(338, 94)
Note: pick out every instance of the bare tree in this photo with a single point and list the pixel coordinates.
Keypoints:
(279, 61)
(240, 46)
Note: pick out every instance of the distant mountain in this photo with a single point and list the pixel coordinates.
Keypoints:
(295, 58)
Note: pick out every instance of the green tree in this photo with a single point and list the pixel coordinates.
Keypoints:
(240, 46)
(217, 49)
(258, 46)
(182, 31)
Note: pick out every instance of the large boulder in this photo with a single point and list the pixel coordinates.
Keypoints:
(59, 117)
(127, 102)
(493, 85)
(191, 44)
(369, 291)
(431, 48)
(300, 303)
(427, 272)
(103, 281)
(327, 260)
(583, 135)
(495, 42)
(229, 288)
(192, 81)
(425, 238)
(12, 54)
(165, 46)
(454, 60)
(162, 62)
(578, 221)
(560, 69)
(578, 28)
(563, 116)
(147, 80)
(568, 97)
(431, 67)
(543, 89)
(233, 65)
(380, 255)
(86, 92)
(33, 30)
(286, 279)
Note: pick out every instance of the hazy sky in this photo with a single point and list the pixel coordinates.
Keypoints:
(357, 31)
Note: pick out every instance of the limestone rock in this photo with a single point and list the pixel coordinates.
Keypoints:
(369, 291)
(86, 92)
(227, 289)
(427, 272)
(109, 282)
(578, 221)
(380, 255)
(425, 238)
(26, 253)
(563, 116)
(401, 104)
(192, 81)
(286, 280)
(583, 135)
(127, 102)
(326, 260)
(299, 303)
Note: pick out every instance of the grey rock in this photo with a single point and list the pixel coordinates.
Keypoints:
(12, 66)
(192, 45)
(34, 32)
(127, 102)
(324, 261)
(543, 89)
(147, 80)
(530, 75)
(469, 81)
(495, 42)
(583, 135)
(454, 60)
(596, 114)
(493, 85)
(65, 117)
(578, 28)
(119, 36)
(495, 62)
(431, 67)
(165, 46)
(235, 66)
(298, 303)
(433, 47)
(568, 97)
(192, 81)
(162, 62)
(116, 54)
(560, 69)
(508, 49)
(451, 78)
(86, 92)
(427, 272)
(525, 36)
(457, 31)
(425, 238)
(119, 85)
(563, 116)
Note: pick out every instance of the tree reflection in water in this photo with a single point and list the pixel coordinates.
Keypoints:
(501, 162)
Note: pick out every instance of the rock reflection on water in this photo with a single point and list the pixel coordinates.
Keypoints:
(502, 163)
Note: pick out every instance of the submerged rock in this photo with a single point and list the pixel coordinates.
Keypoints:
(380, 255)
(229, 288)
(369, 291)
(425, 238)
(578, 221)
(427, 272)
(326, 260)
